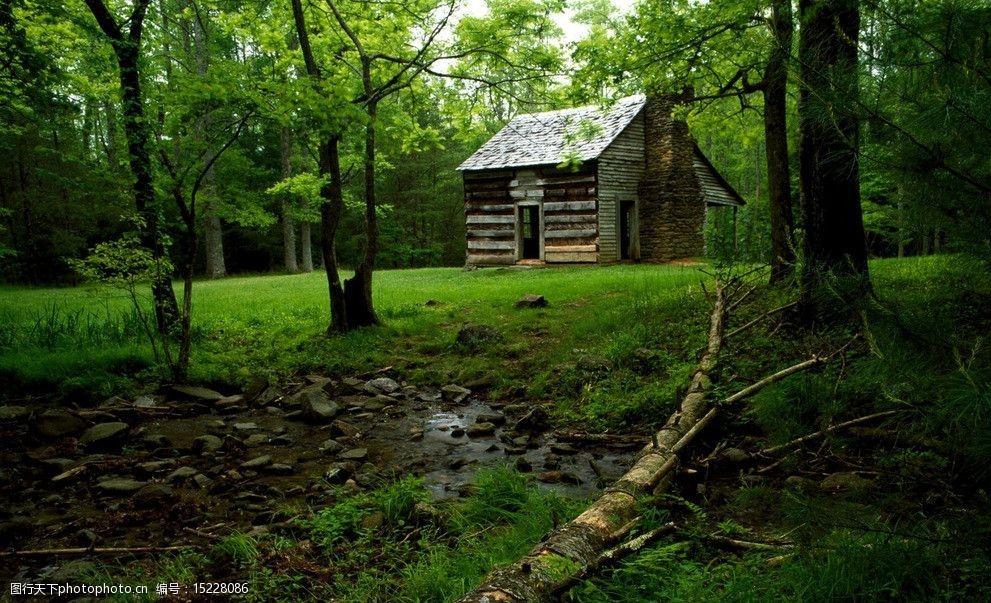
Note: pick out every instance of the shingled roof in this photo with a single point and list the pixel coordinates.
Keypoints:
(551, 137)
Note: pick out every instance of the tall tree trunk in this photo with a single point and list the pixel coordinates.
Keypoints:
(305, 246)
(776, 142)
(127, 48)
(329, 165)
(110, 146)
(828, 143)
(330, 218)
(213, 233)
(285, 207)
(358, 289)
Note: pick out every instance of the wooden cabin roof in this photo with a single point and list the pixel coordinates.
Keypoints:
(551, 137)
(714, 187)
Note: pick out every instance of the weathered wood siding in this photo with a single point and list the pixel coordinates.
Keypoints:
(621, 167)
(568, 212)
(490, 218)
(569, 206)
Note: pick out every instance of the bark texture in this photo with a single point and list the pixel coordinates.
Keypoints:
(571, 549)
(305, 246)
(834, 239)
(329, 165)
(776, 141)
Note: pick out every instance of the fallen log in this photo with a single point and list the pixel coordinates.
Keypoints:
(572, 548)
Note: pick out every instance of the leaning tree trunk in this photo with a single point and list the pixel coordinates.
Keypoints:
(572, 548)
(358, 289)
(330, 218)
(127, 50)
(828, 144)
(776, 143)
(329, 166)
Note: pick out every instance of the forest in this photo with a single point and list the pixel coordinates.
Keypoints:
(244, 352)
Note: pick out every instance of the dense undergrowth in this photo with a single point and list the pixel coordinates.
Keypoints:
(909, 519)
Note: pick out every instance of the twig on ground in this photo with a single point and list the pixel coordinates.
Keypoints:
(761, 317)
(95, 551)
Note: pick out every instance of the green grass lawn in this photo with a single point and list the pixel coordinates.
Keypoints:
(272, 326)
(923, 353)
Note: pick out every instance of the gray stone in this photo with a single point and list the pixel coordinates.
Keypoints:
(314, 404)
(344, 429)
(331, 446)
(154, 466)
(491, 417)
(565, 449)
(207, 443)
(279, 469)
(256, 439)
(197, 393)
(480, 430)
(145, 402)
(13, 413)
(58, 423)
(321, 410)
(201, 480)
(382, 385)
(181, 473)
(269, 395)
(531, 301)
(121, 485)
(152, 495)
(355, 454)
(257, 462)
(105, 434)
(455, 393)
(246, 426)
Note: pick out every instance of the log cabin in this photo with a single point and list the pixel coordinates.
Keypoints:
(591, 185)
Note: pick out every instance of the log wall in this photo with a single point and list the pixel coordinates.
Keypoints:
(621, 168)
(568, 208)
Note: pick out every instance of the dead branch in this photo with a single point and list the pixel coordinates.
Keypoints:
(748, 545)
(799, 441)
(95, 551)
(739, 330)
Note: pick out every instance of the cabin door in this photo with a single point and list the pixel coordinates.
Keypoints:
(627, 230)
(528, 223)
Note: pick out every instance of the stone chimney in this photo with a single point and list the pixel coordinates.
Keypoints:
(672, 207)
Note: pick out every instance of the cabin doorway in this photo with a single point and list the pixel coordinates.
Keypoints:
(528, 233)
(628, 230)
